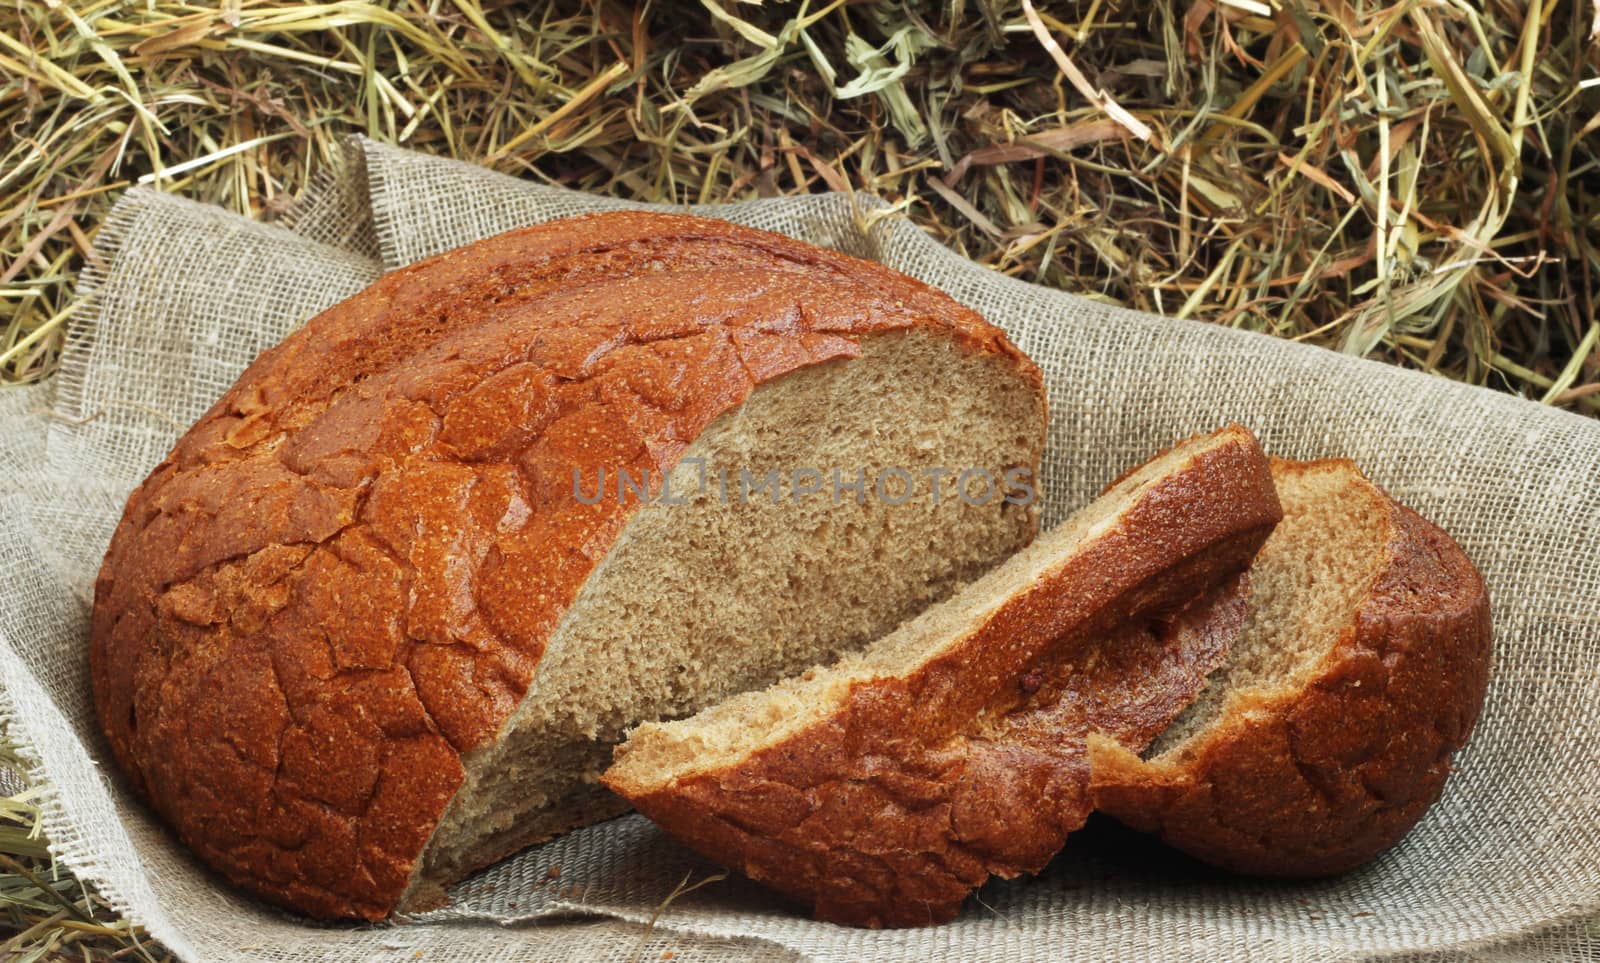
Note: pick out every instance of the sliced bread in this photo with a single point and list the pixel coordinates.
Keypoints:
(880, 790)
(1329, 730)
(374, 622)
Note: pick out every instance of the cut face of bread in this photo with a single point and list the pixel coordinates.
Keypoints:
(378, 617)
(1328, 732)
(698, 601)
(880, 790)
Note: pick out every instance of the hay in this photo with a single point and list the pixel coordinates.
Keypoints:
(46, 914)
(1416, 181)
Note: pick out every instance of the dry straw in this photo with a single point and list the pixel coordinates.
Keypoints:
(1415, 181)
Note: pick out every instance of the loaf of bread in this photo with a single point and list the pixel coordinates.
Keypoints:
(879, 791)
(1328, 730)
(380, 616)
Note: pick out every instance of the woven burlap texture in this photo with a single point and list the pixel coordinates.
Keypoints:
(180, 297)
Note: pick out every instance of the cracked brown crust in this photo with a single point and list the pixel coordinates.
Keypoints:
(342, 577)
(1322, 779)
(892, 808)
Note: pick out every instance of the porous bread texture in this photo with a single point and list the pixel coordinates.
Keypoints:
(325, 606)
(696, 602)
(723, 735)
(1300, 602)
(1329, 732)
(880, 790)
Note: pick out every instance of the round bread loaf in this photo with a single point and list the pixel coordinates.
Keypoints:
(379, 617)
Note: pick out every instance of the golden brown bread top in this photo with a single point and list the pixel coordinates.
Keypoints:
(1325, 776)
(342, 577)
(889, 809)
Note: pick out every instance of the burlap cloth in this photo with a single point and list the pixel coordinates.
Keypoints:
(182, 296)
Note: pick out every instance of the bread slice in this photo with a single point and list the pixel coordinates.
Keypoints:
(1329, 731)
(371, 625)
(880, 790)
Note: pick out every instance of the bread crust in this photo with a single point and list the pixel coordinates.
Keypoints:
(343, 576)
(1322, 779)
(916, 789)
